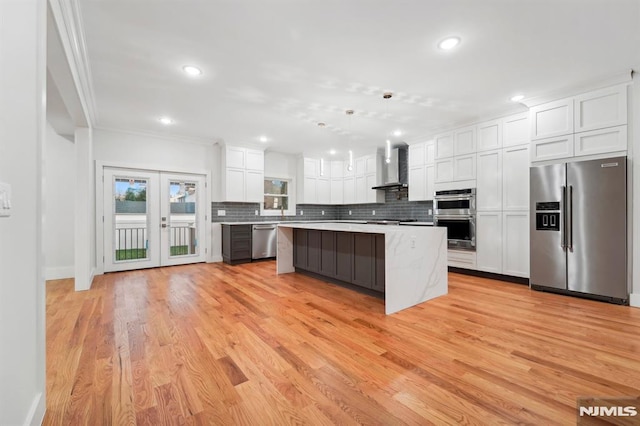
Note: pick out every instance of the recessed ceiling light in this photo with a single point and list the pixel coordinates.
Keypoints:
(449, 43)
(264, 139)
(191, 70)
(165, 120)
(397, 132)
(332, 152)
(517, 98)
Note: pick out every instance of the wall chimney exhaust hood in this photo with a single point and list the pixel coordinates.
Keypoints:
(394, 174)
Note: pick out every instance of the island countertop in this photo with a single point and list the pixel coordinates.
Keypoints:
(415, 259)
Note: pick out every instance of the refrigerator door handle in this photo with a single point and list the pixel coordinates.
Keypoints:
(563, 213)
(570, 219)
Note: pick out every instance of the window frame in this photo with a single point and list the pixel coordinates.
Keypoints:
(291, 211)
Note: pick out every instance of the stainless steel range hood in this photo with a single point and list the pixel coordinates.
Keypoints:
(395, 172)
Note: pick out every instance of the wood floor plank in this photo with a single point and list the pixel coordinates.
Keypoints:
(213, 344)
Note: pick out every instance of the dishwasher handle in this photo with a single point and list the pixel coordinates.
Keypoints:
(263, 227)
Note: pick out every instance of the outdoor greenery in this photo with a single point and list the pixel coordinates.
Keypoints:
(136, 195)
(133, 254)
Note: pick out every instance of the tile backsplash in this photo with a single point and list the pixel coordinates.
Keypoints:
(396, 206)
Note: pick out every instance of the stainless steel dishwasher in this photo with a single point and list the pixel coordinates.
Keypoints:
(264, 239)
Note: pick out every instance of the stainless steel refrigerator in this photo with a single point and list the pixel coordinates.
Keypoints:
(579, 228)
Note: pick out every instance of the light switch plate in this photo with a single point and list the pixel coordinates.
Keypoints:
(5, 200)
(222, 212)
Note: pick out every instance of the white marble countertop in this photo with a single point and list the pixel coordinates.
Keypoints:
(351, 227)
(270, 222)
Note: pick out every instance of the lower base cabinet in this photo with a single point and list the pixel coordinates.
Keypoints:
(350, 257)
(236, 243)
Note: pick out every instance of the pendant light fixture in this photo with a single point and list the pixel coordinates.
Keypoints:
(349, 113)
(387, 153)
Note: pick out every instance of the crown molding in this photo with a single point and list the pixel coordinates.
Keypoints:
(68, 19)
(170, 138)
(624, 77)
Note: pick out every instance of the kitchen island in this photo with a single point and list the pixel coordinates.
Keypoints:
(406, 263)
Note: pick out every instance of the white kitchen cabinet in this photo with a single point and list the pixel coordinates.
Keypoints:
(311, 167)
(254, 186)
(235, 185)
(255, 160)
(337, 191)
(309, 193)
(552, 119)
(554, 148)
(242, 175)
(361, 189)
(461, 259)
(417, 182)
(444, 170)
(337, 169)
(516, 130)
(417, 154)
(489, 241)
(349, 193)
(235, 157)
(444, 146)
(464, 167)
(371, 164)
(430, 173)
(323, 188)
(361, 166)
(489, 135)
(489, 181)
(515, 248)
(430, 152)
(515, 178)
(373, 195)
(600, 141)
(464, 141)
(601, 109)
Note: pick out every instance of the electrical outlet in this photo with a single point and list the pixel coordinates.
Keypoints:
(430, 212)
(413, 242)
(349, 212)
(301, 212)
(222, 212)
(322, 212)
(373, 213)
(5, 200)
(257, 212)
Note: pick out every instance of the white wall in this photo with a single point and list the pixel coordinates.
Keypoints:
(155, 152)
(22, 132)
(278, 165)
(59, 196)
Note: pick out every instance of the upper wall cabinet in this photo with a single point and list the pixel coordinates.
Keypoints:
(601, 109)
(242, 174)
(516, 130)
(489, 135)
(464, 141)
(552, 119)
(444, 146)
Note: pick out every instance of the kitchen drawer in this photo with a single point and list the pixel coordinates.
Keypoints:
(461, 259)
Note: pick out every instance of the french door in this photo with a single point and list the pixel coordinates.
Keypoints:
(152, 219)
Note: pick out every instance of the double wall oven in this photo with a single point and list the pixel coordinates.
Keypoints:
(456, 210)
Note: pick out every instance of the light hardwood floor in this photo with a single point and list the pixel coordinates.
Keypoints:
(224, 345)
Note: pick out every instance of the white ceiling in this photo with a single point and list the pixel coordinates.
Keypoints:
(278, 67)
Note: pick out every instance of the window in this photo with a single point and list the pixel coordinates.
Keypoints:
(277, 199)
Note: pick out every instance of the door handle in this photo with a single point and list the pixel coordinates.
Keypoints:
(570, 233)
(563, 218)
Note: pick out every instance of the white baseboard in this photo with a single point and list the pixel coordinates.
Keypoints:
(36, 411)
(215, 259)
(59, 272)
(634, 300)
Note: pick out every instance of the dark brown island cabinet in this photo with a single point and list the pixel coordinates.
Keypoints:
(236, 244)
(349, 257)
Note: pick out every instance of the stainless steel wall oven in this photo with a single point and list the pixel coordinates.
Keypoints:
(456, 210)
